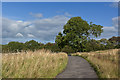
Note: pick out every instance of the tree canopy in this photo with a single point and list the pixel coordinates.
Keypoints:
(77, 32)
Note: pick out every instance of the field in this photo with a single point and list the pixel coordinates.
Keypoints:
(104, 62)
(38, 64)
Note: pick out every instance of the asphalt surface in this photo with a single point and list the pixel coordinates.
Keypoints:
(77, 67)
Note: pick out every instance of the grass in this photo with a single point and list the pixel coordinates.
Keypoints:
(38, 64)
(105, 63)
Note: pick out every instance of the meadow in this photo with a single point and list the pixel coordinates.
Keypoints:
(37, 64)
(105, 62)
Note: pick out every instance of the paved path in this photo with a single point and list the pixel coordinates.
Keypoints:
(77, 68)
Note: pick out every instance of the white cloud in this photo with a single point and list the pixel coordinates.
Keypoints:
(20, 21)
(19, 35)
(11, 27)
(115, 4)
(116, 20)
(116, 0)
(45, 29)
(67, 14)
(38, 15)
(30, 35)
(110, 28)
(109, 31)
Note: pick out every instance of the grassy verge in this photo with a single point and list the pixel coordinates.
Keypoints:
(105, 63)
(38, 64)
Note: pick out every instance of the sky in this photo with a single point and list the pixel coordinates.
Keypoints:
(42, 21)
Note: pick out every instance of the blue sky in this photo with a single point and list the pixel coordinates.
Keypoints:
(42, 21)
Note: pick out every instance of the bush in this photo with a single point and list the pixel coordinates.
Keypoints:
(68, 49)
(15, 46)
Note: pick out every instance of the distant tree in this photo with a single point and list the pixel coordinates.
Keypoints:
(108, 44)
(41, 45)
(76, 33)
(115, 41)
(68, 49)
(5, 49)
(104, 41)
(32, 45)
(15, 46)
(92, 45)
(52, 46)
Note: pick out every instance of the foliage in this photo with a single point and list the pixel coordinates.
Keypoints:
(15, 46)
(32, 45)
(92, 45)
(76, 33)
(89, 45)
(68, 49)
(52, 46)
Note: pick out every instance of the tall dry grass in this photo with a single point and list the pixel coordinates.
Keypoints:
(38, 64)
(105, 61)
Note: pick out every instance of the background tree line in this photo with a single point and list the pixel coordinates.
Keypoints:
(76, 37)
(91, 45)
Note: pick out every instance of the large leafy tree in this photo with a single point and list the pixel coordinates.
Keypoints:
(76, 33)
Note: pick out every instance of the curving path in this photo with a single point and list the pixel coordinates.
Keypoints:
(77, 68)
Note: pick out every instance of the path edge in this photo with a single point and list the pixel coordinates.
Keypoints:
(92, 65)
(63, 69)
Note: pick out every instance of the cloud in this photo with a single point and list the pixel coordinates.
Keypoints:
(44, 29)
(116, 0)
(48, 28)
(115, 4)
(11, 27)
(116, 21)
(19, 35)
(109, 31)
(30, 35)
(38, 15)
(67, 14)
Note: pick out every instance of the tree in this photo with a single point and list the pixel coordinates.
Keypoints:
(32, 45)
(115, 41)
(107, 44)
(5, 49)
(52, 46)
(104, 41)
(76, 33)
(15, 46)
(67, 49)
(60, 40)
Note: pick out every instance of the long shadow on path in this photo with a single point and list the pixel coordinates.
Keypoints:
(78, 68)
